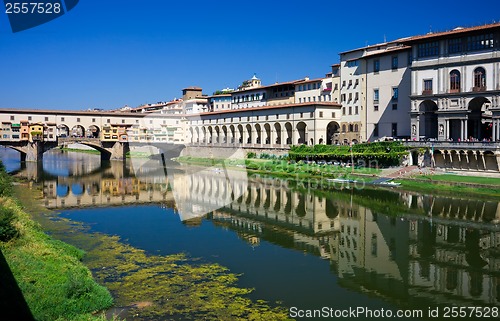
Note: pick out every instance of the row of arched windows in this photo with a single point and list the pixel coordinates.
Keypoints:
(479, 80)
(350, 128)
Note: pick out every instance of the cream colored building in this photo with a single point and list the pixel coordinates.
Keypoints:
(352, 77)
(387, 93)
(266, 126)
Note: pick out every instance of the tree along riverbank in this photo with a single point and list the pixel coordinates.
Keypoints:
(154, 286)
(49, 273)
(454, 185)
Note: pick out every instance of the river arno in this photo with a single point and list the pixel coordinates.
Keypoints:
(295, 244)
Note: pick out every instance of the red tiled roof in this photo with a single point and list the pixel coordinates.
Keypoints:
(251, 109)
(456, 31)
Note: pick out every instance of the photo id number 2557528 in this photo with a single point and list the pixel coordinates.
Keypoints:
(32, 7)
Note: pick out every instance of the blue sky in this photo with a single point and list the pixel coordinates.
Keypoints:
(106, 54)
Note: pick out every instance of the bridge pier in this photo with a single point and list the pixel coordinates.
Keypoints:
(33, 152)
(116, 152)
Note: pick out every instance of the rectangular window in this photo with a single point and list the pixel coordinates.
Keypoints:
(62, 118)
(394, 106)
(376, 65)
(123, 121)
(356, 96)
(480, 42)
(343, 83)
(12, 118)
(350, 110)
(394, 62)
(108, 120)
(333, 115)
(311, 115)
(343, 98)
(320, 114)
(93, 120)
(78, 120)
(455, 45)
(29, 118)
(375, 130)
(350, 83)
(375, 108)
(356, 110)
(46, 118)
(428, 49)
(395, 93)
(301, 115)
(343, 111)
(373, 245)
(350, 96)
(352, 63)
(375, 94)
(427, 87)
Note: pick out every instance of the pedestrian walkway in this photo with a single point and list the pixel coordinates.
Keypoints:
(398, 172)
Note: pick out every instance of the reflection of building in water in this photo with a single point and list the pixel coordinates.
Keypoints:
(371, 250)
(303, 220)
(107, 192)
(200, 191)
(398, 257)
(452, 264)
(454, 207)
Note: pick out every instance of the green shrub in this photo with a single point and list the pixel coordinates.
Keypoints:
(5, 182)
(251, 155)
(7, 229)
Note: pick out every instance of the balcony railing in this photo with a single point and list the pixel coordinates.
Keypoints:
(427, 92)
(454, 91)
(481, 88)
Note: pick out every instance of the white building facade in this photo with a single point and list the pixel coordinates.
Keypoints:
(455, 78)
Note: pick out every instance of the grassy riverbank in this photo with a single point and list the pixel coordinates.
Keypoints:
(484, 187)
(283, 168)
(432, 186)
(96, 152)
(49, 273)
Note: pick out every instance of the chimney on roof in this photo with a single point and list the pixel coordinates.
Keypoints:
(306, 78)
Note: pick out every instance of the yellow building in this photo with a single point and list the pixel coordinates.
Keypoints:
(35, 132)
(25, 130)
(115, 132)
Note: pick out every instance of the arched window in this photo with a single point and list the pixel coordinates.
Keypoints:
(356, 128)
(343, 128)
(351, 127)
(479, 79)
(454, 81)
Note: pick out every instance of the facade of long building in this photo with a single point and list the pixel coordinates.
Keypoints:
(441, 86)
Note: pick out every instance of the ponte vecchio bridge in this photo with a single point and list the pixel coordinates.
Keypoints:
(33, 132)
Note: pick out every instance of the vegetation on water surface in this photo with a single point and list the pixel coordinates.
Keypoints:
(53, 281)
(174, 287)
